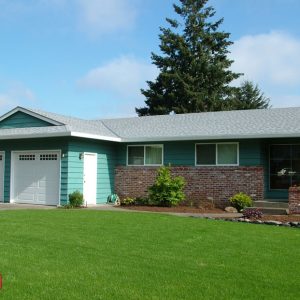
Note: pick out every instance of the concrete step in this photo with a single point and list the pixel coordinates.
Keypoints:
(272, 210)
(270, 204)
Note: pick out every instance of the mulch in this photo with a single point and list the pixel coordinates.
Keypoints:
(203, 210)
(177, 209)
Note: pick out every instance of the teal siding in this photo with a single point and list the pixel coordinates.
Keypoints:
(22, 120)
(251, 153)
(106, 154)
(35, 144)
(182, 153)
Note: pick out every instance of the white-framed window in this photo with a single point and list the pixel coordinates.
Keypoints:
(217, 154)
(145, 155)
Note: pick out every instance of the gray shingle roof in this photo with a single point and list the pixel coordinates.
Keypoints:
(266, 123)
(260, 123)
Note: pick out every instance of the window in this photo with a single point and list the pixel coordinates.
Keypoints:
(48, 156)
(145, 155)
(217, 154)
(26, 157)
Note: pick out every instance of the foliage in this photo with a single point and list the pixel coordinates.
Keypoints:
(76, 199)
(248, 96)
(167, 191)
(128, 201)
(142, 201)
(195, 73)
(252, 213)
(240, 201)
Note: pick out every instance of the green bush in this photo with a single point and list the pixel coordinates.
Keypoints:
(240, 201)
(141, 201)
(167, 191)
(76, 199)
(128, 201)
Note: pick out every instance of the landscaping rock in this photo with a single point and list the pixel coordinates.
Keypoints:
(257, 221)
(276, 223)
(294, 224)
(231, 209)
(287, 224)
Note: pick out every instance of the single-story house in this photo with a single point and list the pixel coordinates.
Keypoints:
(46, 156)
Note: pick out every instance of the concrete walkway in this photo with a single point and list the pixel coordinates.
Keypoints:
(106, 207)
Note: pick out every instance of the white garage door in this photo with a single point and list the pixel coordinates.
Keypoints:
(36, 177)
(1, 176)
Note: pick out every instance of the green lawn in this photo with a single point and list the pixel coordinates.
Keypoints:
(80, 254)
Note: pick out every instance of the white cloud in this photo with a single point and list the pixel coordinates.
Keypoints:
(15, 94)
(273, 62)
(94, 17)
(106, 16)
(271, 58)
(123, 76)
(285, 100)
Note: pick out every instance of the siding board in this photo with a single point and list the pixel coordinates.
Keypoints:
(22, 120)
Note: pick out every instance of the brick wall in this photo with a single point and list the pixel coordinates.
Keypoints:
(205, 185)
(294, 200)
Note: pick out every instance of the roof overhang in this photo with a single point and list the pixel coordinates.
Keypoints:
(209, 137)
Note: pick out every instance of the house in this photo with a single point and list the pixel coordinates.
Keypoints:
(45, 156)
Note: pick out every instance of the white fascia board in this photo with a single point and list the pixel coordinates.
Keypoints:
(59, 134)
(31, 113)
(215, 137)
(95, 136)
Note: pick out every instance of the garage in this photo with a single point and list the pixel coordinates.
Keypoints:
(35, 177)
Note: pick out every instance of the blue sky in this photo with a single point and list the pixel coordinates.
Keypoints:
(89, 58)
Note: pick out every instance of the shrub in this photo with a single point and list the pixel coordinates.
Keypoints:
(167, 191)
(128, 201)
(240, 201)
(252, 213)
(141, 201)
(76, 199)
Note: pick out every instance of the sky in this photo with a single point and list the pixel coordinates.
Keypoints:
(90, 58)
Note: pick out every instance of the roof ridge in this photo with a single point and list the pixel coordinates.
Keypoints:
(112, 131)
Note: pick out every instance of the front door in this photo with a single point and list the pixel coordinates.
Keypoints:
(284, 166)
(90, 178)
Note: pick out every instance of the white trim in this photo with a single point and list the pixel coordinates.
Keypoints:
(12, 156)
(95, 136)
(3, 159)
(216, 150)
(144, 146)
(31, 113)
(206, 138)
(142, 140)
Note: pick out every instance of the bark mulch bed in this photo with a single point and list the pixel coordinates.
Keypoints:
(194, 210)
(177, 209)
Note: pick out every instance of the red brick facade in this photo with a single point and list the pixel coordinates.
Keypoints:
(213, 185)
(294, 200)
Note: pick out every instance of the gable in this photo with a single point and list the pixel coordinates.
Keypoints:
(22, 120)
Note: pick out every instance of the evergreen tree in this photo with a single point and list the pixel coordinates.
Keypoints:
(248, 96)
(194, 68)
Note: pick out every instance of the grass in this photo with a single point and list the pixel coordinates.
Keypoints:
(79, 254)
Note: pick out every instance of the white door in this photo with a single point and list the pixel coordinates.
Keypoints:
(90, 178)
(1, 176)
(36, 177)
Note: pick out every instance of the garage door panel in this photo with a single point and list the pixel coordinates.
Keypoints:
(36, 177)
